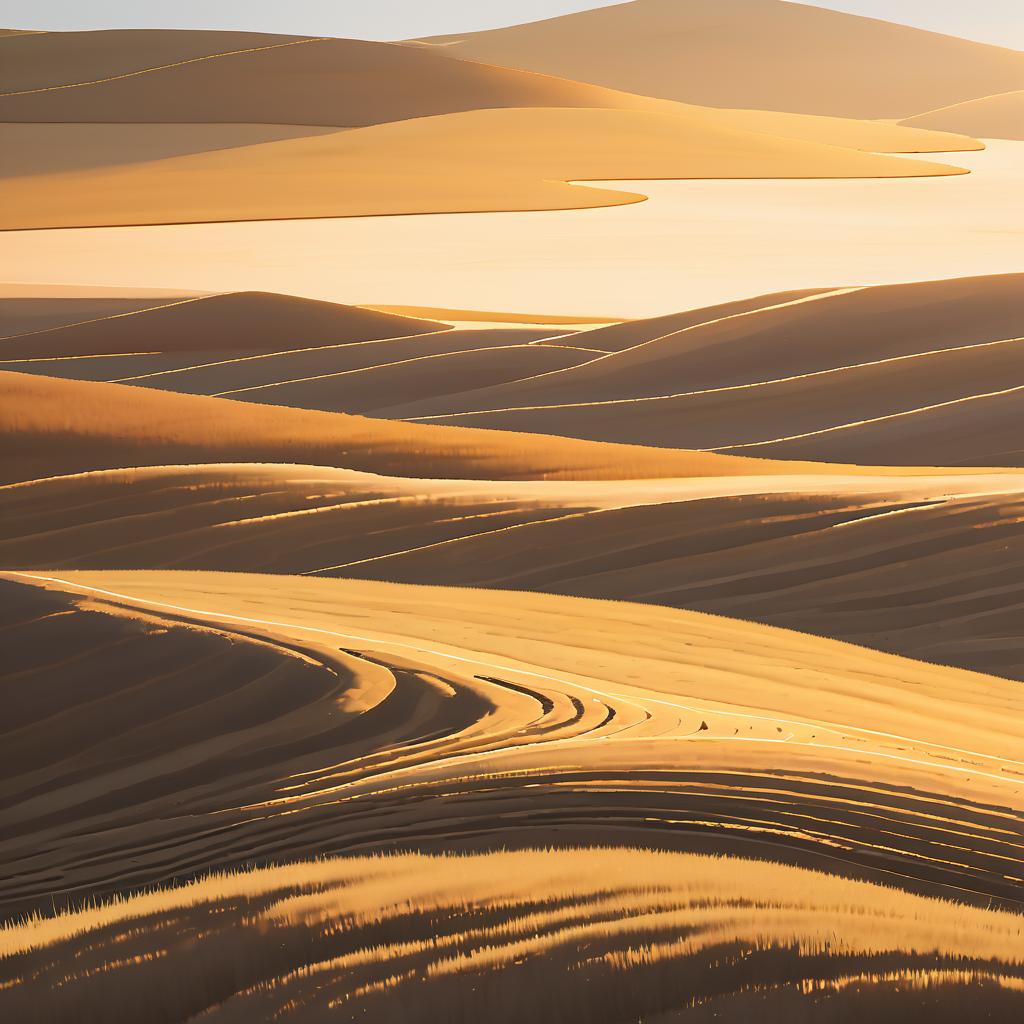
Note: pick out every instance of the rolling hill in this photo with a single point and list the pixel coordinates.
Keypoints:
(305, 715)
(768, 380)
(55, 427)
(991, 117)
(248, 321)
(926, 566)
(522, 158)
(768, 54)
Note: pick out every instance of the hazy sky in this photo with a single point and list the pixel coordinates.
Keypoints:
(998, 21)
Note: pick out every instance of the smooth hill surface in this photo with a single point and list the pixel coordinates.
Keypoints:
(240, 320)
(238, 373)
(264, 942)
(329, 715)
(52, 60)
(693, 244)
(885, 355)
(991, 117)
(27, 149)
(925, 566)
(629, 334)
(410, 379)
(141, 76)
(23, 311)
(476, 161)
(54, 427)
(752, 53)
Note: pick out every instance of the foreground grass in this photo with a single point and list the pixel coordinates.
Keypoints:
(540, 935)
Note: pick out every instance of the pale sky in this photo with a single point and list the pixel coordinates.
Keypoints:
(997, 21)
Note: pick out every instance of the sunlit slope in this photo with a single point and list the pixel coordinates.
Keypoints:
(928, 567)
(618, 934)
(52, 427)
(427, 715)
(231, 321)
(845, 376)
(479, 160)
(991, 117)
(752, 53)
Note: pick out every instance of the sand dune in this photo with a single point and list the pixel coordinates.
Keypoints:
(53, 427)
(220, 371)
(991, 117)
(412, 378)
(477, 316)
(657, 657)
(149, 76)
(820, 413)
(27, 149)
(240, 320)
(694, 243)
(778, 336)
(629, 334)
(976, 428)
(480, 160)
(691, 937)
(752, 53)
(49, 60)
(26, 314)
(878, 561)
(763, 375)
(429, 716)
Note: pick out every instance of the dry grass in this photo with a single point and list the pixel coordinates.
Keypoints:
(52, 427)
(604, 934)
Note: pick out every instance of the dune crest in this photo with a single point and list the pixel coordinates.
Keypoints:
(752, 53)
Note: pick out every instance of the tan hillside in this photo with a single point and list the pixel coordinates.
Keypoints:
(235, 320)
(483, 160)
(991, 117)
(766, 54)
(53, 427)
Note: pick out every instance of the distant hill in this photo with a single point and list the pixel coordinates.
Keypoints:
(150, 76)
(235, 320)
(752, 53)
(991, 117)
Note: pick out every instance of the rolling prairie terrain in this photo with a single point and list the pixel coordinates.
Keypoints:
(520, 524)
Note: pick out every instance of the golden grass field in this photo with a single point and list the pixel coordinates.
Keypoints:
(536, 932)
(469, 551)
